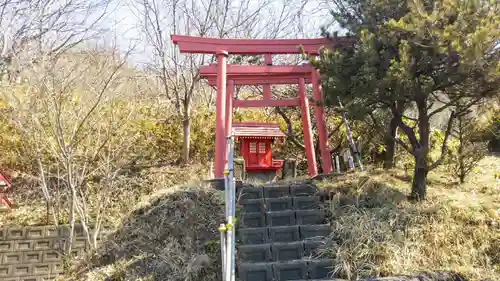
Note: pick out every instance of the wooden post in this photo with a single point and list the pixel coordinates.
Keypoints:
(326, 159)
(220, 116)
(268, 60)
(308, 138)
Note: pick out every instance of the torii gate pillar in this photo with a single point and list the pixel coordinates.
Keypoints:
(220, 116)
(326, 159)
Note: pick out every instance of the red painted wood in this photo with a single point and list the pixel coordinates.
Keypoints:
(266, 91)
(260, 130)
(261, 80)
(326, 159)
(229, 107)
(253, 156)
(265, 103)
(250, 70)
(258, 153)
(202, 45)
(308, 139)
(255, 142)
(261, 75)
(268, 60)
(5, 184)
(5, 200)
(220, 118)
(262, 169)
(264, 153)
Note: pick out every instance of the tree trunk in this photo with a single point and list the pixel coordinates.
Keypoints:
(461, 160)
(419, 184)
(390, 144)
(72, 219)
(420, 152)
(186, 141)
(462, 177)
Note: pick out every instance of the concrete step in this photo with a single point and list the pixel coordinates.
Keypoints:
(255, 253)
(252, 220)
(323, 279)
(276, 191)
(250, 192)
(255, 271)
(271, 252)
(303, 190)
(285, 271)
(252, 205)
(312, 247)
(305, 202)
(284, 251)
(290, 270)
(277, 234)
(252, 236)
(287, 251)
(320, 268)
(279, 204)
(281, 218)
(310, 217)
(314, 231)
(284, 233)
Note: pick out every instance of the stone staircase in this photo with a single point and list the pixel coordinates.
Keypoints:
(280, 228)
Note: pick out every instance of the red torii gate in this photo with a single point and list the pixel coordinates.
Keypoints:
(225, 77)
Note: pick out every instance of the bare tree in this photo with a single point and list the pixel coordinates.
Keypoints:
(72, 112)
(30, 29)
(470, 150)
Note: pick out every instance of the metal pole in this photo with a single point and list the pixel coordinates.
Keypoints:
(349, 137)
(226, 188)
(233, 204)
(222, 230)
(229, 258)
(230, 213)
(337, 163)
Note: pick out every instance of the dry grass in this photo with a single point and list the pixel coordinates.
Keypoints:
(30, 208)
(377, 232)
(170, 236)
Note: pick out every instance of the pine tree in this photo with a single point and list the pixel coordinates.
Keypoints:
(427, 55)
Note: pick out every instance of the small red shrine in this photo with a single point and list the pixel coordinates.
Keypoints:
(255, 140)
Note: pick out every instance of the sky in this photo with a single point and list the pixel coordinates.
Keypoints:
(124, 22)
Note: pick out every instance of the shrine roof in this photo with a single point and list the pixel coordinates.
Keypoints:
(257, 130)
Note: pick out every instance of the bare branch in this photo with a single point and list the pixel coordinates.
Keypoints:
(444, 145)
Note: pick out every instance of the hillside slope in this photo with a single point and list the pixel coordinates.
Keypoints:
(376, 232)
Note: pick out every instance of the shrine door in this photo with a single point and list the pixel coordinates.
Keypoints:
(259, 153)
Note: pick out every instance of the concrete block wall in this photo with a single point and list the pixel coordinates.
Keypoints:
(34, 253)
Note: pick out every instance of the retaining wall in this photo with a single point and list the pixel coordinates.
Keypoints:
(35, 253)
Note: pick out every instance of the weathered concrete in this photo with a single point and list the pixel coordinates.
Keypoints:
(35, 253)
